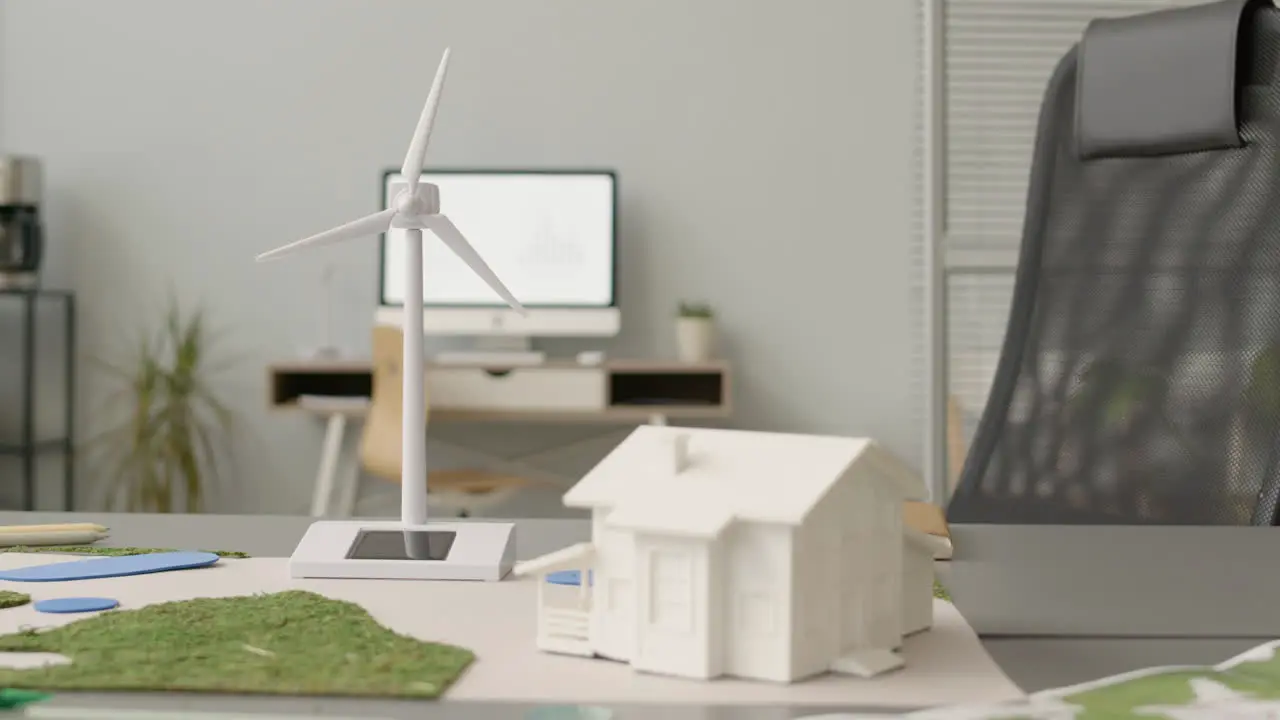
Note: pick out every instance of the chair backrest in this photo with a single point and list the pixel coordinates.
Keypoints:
(1139, 382)
(380, 443)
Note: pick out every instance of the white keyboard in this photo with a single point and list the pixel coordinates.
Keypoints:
(499, 359)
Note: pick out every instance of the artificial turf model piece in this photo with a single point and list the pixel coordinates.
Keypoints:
(286, 643)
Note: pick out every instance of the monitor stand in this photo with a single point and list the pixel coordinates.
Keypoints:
(390, 550)
(500, 350)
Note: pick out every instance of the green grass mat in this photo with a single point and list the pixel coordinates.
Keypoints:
(107, 551)
(9, 598)
(287, 643)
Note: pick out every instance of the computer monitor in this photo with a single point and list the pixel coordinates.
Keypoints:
(550, 235)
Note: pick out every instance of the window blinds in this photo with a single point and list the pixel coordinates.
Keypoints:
(984, 66)
(997, 56)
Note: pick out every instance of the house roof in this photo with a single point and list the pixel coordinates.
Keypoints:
(688, 519)
(566, 558)
(726, 475)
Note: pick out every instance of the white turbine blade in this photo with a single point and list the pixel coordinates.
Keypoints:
(448, 233)
(364, 227)
(417, 155)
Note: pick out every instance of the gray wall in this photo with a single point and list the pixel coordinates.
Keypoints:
(763, 150)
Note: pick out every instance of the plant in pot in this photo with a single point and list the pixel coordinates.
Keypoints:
(695, 332)
(173, 436)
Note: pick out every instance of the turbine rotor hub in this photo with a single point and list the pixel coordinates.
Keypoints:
(426, 201)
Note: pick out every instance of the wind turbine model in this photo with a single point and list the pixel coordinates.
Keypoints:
(410, 549)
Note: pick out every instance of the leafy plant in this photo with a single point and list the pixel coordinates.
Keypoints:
(175, 431)
(695, 310)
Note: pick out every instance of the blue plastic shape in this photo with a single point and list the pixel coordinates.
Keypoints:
(108, 567)
(569, 577)
(75, 605)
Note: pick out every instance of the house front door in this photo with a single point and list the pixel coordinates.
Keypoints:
(613, 604)
(672, 629)
(613, 629)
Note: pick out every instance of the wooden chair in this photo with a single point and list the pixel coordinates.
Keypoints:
(957, 448)
(462, 491)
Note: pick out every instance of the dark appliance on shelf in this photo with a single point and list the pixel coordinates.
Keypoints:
(21, 236)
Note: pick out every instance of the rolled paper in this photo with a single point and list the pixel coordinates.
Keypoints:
(64, 527)
(76, 537)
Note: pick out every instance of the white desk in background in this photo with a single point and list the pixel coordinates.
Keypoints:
(615, 393)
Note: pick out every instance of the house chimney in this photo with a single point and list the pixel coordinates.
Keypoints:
(681, 452)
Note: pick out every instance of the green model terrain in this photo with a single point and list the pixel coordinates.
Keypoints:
(287, 643)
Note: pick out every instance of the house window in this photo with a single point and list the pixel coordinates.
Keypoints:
(671, 591)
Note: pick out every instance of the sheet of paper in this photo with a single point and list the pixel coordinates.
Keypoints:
(946, 665)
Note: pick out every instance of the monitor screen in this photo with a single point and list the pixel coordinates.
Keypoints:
(549, 236)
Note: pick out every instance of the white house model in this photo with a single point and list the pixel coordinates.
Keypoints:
(765, 556)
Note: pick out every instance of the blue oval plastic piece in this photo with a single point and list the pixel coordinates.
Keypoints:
(110, 567)
(569, 577)
(75, 605)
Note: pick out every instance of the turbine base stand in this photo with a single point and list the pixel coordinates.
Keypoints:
(390, 550)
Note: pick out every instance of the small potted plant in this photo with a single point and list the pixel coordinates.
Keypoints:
(173, 434)
(695, 332)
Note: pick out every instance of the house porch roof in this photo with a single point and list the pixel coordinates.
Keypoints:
(573, 557)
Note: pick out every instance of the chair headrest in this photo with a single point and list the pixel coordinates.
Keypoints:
(1162, 83)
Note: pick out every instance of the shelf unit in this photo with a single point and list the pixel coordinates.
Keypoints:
(28, 447)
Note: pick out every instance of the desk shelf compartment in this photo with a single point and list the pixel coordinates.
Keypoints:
(288, 382)
(691, 387)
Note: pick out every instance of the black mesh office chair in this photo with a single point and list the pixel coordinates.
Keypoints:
(1139, 382)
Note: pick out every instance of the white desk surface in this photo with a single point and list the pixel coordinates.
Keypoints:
(496, 621)
(1034, 663)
